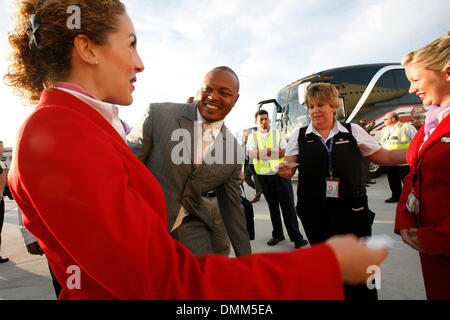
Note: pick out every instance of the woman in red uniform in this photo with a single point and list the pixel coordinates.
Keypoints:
(95, 209)
(423, 215)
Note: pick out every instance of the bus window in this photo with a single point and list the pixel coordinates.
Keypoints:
(282, 98)
(384, 97)
(340, 113)
(358, 75)
(298, 114)
(277, 117)
(351, 83)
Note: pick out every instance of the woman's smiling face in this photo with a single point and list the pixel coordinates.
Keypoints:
(432, 87)
(119, 64)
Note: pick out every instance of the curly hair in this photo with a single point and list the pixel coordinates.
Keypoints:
(35, 68)
(435, 56)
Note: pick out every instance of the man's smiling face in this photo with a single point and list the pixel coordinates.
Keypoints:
(218, 95)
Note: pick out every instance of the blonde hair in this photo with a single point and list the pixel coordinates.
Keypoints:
(434, 56)
(36, 65)
(322, 91)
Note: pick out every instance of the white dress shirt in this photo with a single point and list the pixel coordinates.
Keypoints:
(366, 144)
(109, 111)
(216, 127)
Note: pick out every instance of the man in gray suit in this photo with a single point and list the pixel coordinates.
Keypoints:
(192, 154)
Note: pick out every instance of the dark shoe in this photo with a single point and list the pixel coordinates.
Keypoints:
(256, 198)
(3, 260)
(274, 241)
(391, 200)
(301, 243)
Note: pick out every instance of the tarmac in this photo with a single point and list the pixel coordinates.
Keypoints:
(27, 277)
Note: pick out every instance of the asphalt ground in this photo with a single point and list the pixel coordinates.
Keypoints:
(27, 277)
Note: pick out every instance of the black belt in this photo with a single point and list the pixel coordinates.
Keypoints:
(210, 194)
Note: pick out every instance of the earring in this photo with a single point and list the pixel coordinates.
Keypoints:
(96, 63)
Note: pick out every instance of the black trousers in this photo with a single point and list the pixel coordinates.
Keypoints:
(360, 293)
(251, 177)
(279, 193)
(365, 169)
(333, 218)
(396, 175)
(2, 217)
(55, 283)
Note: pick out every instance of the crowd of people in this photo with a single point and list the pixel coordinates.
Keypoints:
(165, 195)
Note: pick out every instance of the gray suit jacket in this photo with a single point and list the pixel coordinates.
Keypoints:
(164, 138)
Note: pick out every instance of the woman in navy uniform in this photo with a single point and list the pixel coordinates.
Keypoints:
(331, 191)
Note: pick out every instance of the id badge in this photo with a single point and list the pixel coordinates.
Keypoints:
(265, 161)
(412, 204)
(332, 188)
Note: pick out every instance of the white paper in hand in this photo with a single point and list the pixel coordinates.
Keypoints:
(378, 241)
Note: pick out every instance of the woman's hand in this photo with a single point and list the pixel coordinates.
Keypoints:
(354, 258)
(287, 169)
(409, 236)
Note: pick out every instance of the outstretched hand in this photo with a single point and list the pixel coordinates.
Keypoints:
(286, 169)
(355, 258)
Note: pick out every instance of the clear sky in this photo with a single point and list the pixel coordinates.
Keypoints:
(268, 43)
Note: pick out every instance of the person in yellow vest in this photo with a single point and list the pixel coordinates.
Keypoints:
(266, 148)
(396, 135)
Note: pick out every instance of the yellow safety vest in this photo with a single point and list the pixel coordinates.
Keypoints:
(266, 167)
(397, 140)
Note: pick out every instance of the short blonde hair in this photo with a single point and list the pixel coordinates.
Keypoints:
(322, 91)
(434, 56)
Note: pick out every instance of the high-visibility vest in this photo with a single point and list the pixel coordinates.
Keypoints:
(267, 167)
(397, 140)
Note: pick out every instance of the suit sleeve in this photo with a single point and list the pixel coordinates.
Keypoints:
(233, 216)
(140, 138)
(90, 205)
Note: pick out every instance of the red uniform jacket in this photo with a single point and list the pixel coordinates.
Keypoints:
(94, 207)
(433, 192)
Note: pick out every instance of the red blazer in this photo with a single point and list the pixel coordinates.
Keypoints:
(433, 193)
(93, 205)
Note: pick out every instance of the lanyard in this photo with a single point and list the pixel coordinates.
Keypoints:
(329, 150)
(415, 174)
